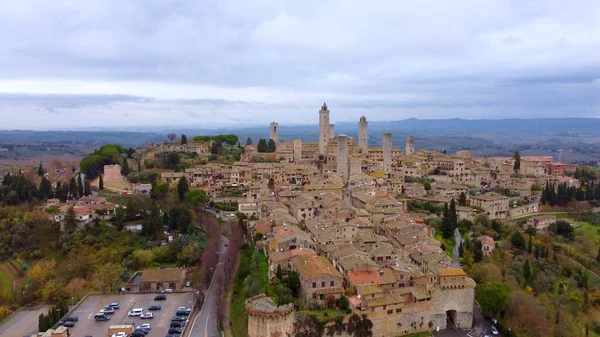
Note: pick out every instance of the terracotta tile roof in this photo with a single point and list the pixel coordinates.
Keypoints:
(385, 300)
(452, 272)
(487, 240)
(360, 277)
(280, 256)
(311, 266)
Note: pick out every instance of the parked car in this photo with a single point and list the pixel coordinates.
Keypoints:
(101, 317)
(184, 308)
(137, 334)
(177, 324)
(494, 330)
(114, 305)
(68, 324)
(120, 334)
(154, 307)
(71, 318)
(160, 297)
(145, 326)
(176, 331)
(168, 291)
(142, 330)
(178, 319)
(135, 312)
(147, 315)
(182, 313)
(108, 310)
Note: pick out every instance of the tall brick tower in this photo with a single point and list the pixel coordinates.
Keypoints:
(362, 134)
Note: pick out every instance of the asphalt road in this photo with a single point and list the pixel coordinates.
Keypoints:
(204, 324)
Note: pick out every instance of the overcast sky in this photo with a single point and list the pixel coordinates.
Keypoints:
(115, 63)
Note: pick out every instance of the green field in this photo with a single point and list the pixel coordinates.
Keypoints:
(9, 277)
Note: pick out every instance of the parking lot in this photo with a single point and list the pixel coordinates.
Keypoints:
(87, 326)
(23, 323)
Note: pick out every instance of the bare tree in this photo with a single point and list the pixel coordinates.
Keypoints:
(171, 137)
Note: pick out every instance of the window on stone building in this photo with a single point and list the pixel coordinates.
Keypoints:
(332, 283)
(323, 284)
(390, 312)
(321, 296)
(314, 284)
(398, 310)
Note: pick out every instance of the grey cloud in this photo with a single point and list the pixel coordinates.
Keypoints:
(395, 58)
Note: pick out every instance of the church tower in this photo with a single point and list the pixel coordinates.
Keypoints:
(323, 129)
(274, 132)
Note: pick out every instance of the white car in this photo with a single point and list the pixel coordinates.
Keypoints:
(145, 326)
(494, 330)
(147, 315)
(120, 334)
(183, 308)
(136, 312)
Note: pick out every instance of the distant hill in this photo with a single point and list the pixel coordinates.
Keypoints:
(568, 139)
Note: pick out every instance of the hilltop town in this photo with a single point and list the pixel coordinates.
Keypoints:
(347, 217)
(338, 237)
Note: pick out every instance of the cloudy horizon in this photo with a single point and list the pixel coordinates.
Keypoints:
(73, 64)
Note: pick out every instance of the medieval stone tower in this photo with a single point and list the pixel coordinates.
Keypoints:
(274, 132)
(387, 152)
(342, 158)
(266, 319)
(410, 145)
(362, 134)
(331, 131)
(323, 129)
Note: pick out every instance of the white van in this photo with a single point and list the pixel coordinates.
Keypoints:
(136, 312)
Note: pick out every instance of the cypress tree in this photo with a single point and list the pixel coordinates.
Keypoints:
(40, 170)
(183, 139)
(101, 182)
(462, 199)
(446, 226)
(453, 217)
(271, 147)
(182, 188)
(527, 270)
(529, 248)
(72, 188)
(262, 146)
(79, 186)
(45, 189)
(517, 161)
(589, 191)
(87, 190)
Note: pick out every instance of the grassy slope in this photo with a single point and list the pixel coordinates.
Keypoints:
(238, 315)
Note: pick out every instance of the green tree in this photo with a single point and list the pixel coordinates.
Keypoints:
(359, 326)
(101, 183)
(125, 167)
(248, 141)
(119, 218)
(564, 228)
(159, 191)
(446, 228)
(70, 220)
(517, 240)
(197, 197)
(45, 190)
(79, 186)
(40, 170)
(527, 270)
(271, 147)
(279, 273)
(183, 139)
(462, 199)
(492, 297)
(72, 188)
(453, 217)
(262, 146)
(516, 162)
(180, 218)
(152, 223)
(107, 276)
(182, 187)
(87, 190)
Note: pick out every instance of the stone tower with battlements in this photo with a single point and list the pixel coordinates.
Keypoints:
(342, 158)
(274, 132)
(266, 319)
(331, 131)
(410, 145)
(323, 129)
(362, 134)
(387, 152)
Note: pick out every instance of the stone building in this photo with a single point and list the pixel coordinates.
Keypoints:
(387, 152)
(494, 206)
(319, 280)
(266, 319)
(541, 222)
(342, 158)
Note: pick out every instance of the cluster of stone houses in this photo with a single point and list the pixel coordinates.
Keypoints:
(87, 209)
